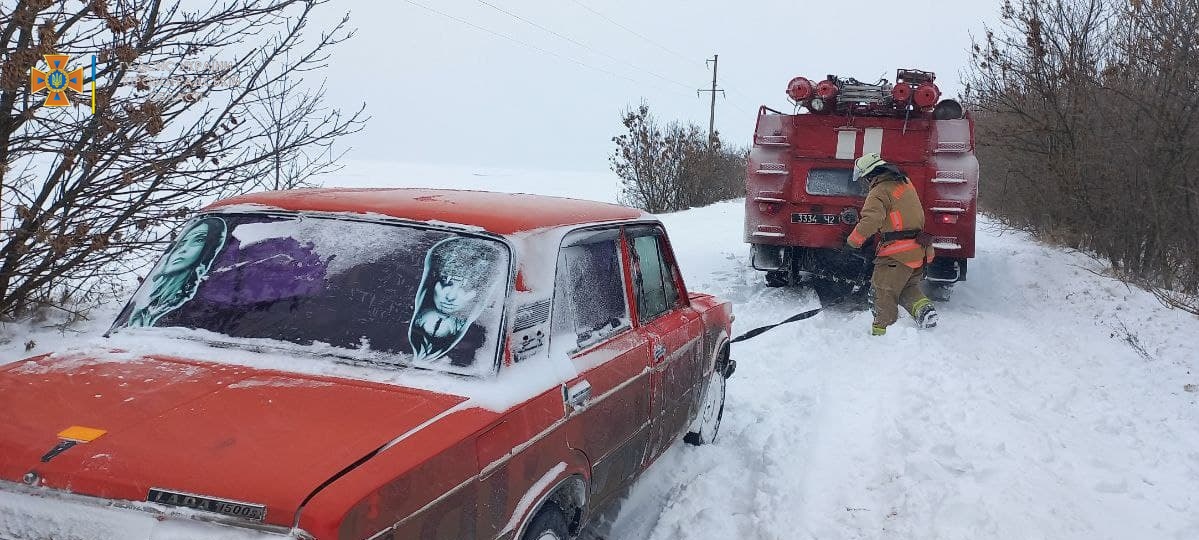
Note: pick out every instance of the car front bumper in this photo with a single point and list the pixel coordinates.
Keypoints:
(45, 514)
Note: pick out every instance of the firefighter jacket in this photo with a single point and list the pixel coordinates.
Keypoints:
(892, 205)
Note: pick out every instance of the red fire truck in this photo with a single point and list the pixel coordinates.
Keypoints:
(801, 201)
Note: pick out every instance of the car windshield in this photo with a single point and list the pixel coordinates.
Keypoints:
(387, 293)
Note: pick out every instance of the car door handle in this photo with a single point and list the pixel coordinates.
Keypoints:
(578, 395)
(659, 352)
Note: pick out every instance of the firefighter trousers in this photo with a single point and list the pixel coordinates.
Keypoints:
(894, 284)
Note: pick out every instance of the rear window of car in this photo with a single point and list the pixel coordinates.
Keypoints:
(833, 182)
(381, 292)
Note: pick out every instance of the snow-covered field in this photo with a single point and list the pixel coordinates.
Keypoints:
(1048, 404)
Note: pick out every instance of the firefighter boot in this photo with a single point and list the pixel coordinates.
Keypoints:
(924, 313)
(878, 330)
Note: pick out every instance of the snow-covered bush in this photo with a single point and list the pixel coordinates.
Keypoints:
(673, 167)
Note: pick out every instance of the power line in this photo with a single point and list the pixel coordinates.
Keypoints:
(581, 44)
(748, 101)
(734, 90)
(519, 42)
(630, 30)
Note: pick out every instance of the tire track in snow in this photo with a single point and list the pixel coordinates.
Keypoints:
(1025, 414)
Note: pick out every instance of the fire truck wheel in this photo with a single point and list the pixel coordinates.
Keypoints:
(831, 291)
(939, 293)
(776, 278)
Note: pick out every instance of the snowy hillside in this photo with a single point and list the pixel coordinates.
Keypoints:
(1049, 403)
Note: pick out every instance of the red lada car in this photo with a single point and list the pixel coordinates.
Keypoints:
(370, 364)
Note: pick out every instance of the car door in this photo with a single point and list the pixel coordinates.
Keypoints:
(607, 403)
(673, 330)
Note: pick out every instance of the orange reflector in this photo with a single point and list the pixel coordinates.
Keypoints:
(81, 434)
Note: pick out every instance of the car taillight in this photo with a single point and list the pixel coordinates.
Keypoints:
(949, 218)
(768, 207)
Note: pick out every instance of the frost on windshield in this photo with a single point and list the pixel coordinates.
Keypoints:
(381, 292)
(461, 278)
(180, 272)
(589, 302)
(833, 182)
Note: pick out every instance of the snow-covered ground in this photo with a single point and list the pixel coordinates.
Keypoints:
(1048, 404)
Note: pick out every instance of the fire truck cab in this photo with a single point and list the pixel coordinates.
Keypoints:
(802, 202)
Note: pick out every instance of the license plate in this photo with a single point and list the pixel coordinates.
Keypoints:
(816, 219)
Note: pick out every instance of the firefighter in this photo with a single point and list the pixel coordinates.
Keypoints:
(892, 211)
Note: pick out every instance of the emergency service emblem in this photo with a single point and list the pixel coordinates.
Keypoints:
(56, 81)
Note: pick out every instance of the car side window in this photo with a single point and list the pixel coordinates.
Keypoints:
(653, 277)
(589, 291)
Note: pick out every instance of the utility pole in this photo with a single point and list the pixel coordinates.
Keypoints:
(713, 90)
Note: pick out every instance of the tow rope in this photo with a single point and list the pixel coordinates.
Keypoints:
(797, 317)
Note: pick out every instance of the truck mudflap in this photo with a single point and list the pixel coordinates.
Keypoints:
(787, 265)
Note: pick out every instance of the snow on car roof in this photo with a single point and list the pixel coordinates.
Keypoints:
(499, 213)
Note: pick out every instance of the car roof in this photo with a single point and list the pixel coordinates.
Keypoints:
(499, 213)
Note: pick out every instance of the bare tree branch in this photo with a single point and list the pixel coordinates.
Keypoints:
(193, 104)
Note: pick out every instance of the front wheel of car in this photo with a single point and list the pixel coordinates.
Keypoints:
(548, 524)
(707, 423)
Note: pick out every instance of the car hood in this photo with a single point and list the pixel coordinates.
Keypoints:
(257, 436)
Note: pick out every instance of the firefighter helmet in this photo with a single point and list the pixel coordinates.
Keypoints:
(867, 164)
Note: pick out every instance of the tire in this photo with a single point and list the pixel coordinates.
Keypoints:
(711, 410)
(939, 293)
(831, 291)
(776, 278)
(548, 524)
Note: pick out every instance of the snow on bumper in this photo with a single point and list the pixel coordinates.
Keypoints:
(42, 514)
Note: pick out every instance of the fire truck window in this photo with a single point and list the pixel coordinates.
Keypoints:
(589, 293)
(654, 284)
(833, 182)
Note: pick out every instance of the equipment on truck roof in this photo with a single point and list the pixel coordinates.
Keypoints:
(801, 200)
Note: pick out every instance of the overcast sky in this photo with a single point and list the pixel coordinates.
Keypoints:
(441, 91)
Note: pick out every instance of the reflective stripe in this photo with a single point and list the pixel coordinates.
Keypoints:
(899, 190)
(897, 220)
(898, 246)
(856, 239)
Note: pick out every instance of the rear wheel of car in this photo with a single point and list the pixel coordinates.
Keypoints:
(548, 524)
(707, 423)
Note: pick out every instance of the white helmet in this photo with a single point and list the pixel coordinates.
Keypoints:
(867, 164)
